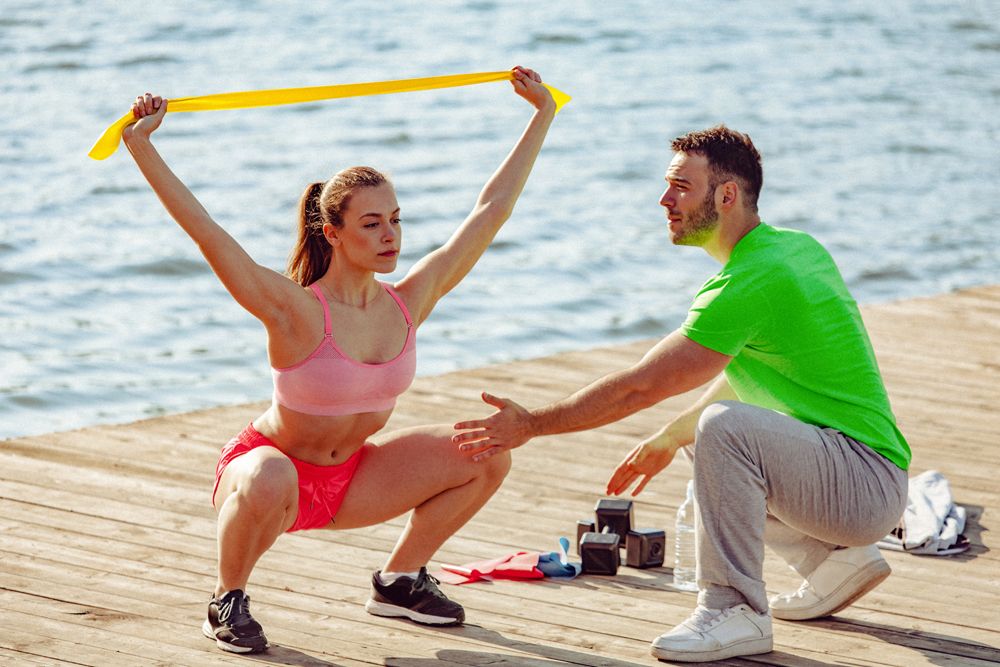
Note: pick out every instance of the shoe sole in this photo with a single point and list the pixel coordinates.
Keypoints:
(392, 611)
(748, 647)
(857, 585)
(206, 629)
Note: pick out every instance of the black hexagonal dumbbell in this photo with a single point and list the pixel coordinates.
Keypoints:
(599, 552)
(645, 547)
(584, 526)
(617, 515)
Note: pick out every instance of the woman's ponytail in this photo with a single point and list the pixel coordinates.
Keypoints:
(310, 257)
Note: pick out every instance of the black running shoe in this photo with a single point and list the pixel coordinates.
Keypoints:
(417, 599)
(232, 627)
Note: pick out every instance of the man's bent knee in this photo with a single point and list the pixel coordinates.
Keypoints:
(720, 421)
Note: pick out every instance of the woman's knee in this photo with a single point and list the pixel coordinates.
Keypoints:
(496, 467)
(267, 483)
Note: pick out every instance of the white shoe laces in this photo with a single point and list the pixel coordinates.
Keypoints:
(704, 619)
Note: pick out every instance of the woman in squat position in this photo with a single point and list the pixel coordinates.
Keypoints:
(342, 347)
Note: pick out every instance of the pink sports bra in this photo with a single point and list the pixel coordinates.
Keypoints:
(330, 383)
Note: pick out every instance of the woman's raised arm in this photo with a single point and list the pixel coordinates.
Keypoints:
(262, 291)
(437, 273)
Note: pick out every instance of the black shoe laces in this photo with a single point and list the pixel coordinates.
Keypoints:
(240, 613)
(428, 583)
(245, 606)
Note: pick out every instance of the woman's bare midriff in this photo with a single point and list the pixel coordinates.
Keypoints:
(317, 439)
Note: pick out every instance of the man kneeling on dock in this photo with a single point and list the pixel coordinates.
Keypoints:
(794, 444)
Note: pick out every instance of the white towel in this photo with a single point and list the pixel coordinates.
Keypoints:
(932, 523)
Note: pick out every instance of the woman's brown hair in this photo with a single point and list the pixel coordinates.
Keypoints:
(322, 203)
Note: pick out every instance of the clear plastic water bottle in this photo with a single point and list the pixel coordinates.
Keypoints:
(685, 578)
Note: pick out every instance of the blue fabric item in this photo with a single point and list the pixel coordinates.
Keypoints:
(556, 563)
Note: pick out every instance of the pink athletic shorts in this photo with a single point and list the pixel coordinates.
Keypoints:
(321, 488)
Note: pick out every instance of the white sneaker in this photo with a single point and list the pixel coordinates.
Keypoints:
(838, 582)
(716, 634)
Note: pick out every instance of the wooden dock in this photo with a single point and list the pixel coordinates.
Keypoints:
(107, 547)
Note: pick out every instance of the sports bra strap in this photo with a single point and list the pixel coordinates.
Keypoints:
(399, 302)
(327, 330)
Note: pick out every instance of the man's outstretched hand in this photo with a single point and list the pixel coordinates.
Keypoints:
(642, 464)
(507, 428)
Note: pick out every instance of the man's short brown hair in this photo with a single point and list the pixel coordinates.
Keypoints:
(731, 157)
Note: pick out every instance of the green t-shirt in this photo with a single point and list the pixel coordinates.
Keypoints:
(780, 308)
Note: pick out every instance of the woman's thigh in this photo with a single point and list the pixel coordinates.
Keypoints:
(404, 469)
(268, 475)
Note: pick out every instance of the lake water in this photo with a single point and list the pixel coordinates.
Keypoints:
(878, 123)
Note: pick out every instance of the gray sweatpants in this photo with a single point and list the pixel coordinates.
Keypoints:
(763, 477)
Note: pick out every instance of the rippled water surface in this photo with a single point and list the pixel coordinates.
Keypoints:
(878, 123)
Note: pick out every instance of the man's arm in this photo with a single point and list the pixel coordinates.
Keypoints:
(652, 455)
(673, 366)
(679, 432)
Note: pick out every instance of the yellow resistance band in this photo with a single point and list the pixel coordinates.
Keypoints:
(109, 141)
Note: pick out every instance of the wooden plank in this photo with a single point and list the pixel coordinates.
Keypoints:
(78, 643)
(21, 658)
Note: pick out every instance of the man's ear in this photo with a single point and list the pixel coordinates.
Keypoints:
(730, 193)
